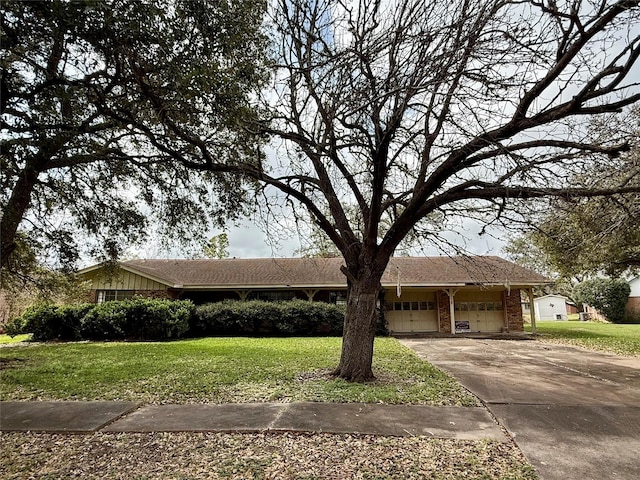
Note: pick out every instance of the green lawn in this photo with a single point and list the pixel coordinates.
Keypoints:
(608, 337)
(219, 370)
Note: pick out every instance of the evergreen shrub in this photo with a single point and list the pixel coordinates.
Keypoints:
(257, 317)
(607, 295)
(131, 319)
(52, 322)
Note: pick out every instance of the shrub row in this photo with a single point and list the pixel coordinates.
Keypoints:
(295, 317)
(146, 319)
(136, 318)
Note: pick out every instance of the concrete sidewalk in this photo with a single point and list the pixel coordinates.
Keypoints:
(466, 423)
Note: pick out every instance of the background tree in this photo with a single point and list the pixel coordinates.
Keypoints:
(74, 167)
(587, 237)
(524, 250)
(597, 235)
(575, 238)
(607, 295)
(217, 246)
(25, 281)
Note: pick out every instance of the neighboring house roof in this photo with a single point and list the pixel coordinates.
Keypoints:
(325, 272)
(566, 299)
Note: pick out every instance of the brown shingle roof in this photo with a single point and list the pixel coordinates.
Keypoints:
(312, 272)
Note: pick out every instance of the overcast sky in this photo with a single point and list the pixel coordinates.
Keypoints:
(248, 241)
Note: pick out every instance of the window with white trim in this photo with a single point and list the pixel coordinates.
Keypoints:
(109, 295)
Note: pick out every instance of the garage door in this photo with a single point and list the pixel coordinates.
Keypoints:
(484, 311)
(413, 312)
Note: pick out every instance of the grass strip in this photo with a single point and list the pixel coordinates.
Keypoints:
(621, 339)
(219, 370)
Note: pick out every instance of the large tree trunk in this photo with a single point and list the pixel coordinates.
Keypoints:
(359, 329)
(14, 211)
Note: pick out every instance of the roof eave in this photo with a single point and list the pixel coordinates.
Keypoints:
(341, 286)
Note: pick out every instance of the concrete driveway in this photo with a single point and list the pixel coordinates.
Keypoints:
(574, 413)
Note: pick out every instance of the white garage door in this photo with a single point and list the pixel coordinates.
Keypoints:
(413, 312)
(484, 311)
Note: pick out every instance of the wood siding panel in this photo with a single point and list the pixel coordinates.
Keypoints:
(123, 280)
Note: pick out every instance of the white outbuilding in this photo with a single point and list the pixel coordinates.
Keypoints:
(551, 307)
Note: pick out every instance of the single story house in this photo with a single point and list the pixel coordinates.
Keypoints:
(421, 294)
(549, 307)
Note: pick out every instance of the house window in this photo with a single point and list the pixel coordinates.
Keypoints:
(109, 295)
(478, 306)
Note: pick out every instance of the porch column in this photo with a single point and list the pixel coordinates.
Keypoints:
(243, 294)
(532, 309)
(310, 294)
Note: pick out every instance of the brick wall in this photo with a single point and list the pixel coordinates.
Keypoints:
(159, 294)
(633, 306)
(513, 308)
(443, 311)
(92, 296)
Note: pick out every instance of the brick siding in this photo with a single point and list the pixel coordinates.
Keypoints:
(513, 308)
(443, 311)
(633, 306)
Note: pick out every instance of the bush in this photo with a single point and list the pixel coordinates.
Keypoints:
(52, 322)
(256, 317)
(14, 328)
(607, 295)
(105, 322)
(136, 318)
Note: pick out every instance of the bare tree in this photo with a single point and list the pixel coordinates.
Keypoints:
(402, 113)
(396, 115)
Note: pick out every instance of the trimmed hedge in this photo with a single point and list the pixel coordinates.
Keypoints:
(147, 319)
(131, 319)
(138, 318)
(256, 317)
(51, 322)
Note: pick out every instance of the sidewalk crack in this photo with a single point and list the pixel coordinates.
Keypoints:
(281, 411)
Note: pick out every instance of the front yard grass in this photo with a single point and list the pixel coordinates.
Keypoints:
(219, 370)
(608, 337)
